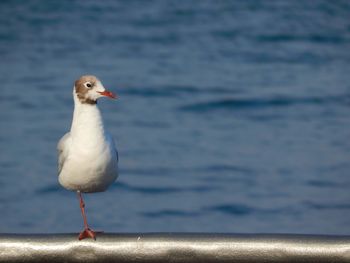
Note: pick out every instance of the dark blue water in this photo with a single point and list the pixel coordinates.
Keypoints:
(233, 115)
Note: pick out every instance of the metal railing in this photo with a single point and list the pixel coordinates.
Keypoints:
(177, 247)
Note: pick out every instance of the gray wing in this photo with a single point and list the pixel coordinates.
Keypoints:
(111, 140)
(62, 149)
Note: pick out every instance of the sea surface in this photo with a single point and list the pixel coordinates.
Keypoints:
(233, 116)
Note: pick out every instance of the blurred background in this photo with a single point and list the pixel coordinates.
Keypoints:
(233, 116)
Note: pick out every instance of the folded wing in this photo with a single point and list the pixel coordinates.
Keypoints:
(62, 148)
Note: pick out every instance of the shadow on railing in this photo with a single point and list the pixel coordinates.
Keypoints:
(176, 247)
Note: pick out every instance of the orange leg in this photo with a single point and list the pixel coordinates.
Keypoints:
(87, 232)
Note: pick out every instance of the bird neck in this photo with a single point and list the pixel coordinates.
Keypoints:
(87, 122)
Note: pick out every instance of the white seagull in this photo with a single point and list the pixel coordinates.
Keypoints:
(87, 156)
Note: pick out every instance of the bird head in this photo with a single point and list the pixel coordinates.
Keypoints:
(89, 89)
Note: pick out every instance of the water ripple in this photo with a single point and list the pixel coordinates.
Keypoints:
(170, 213)
(229, 168)
(319, 206)
(161, 189)
(233, 209)
(261, 103)
(325, 184)
(173, 90)
(55, 188)
(312, 38)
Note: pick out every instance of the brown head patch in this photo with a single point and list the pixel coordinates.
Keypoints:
(82, 91)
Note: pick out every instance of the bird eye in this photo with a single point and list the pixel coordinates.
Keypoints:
(88, 85)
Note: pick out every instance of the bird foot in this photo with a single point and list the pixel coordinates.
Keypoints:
(88, 233)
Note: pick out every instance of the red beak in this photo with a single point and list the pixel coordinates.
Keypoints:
(108, 94)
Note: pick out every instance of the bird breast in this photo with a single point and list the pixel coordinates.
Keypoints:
(89, 169)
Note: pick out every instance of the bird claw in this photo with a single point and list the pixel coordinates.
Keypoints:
(88, 233)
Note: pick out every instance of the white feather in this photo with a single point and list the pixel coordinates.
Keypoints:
(87, 157)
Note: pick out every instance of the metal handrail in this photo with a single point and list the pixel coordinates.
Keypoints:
(174, 247)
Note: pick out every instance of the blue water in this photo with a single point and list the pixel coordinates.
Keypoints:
(233, 115)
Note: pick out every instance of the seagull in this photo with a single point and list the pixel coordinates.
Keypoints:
(87, 156)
